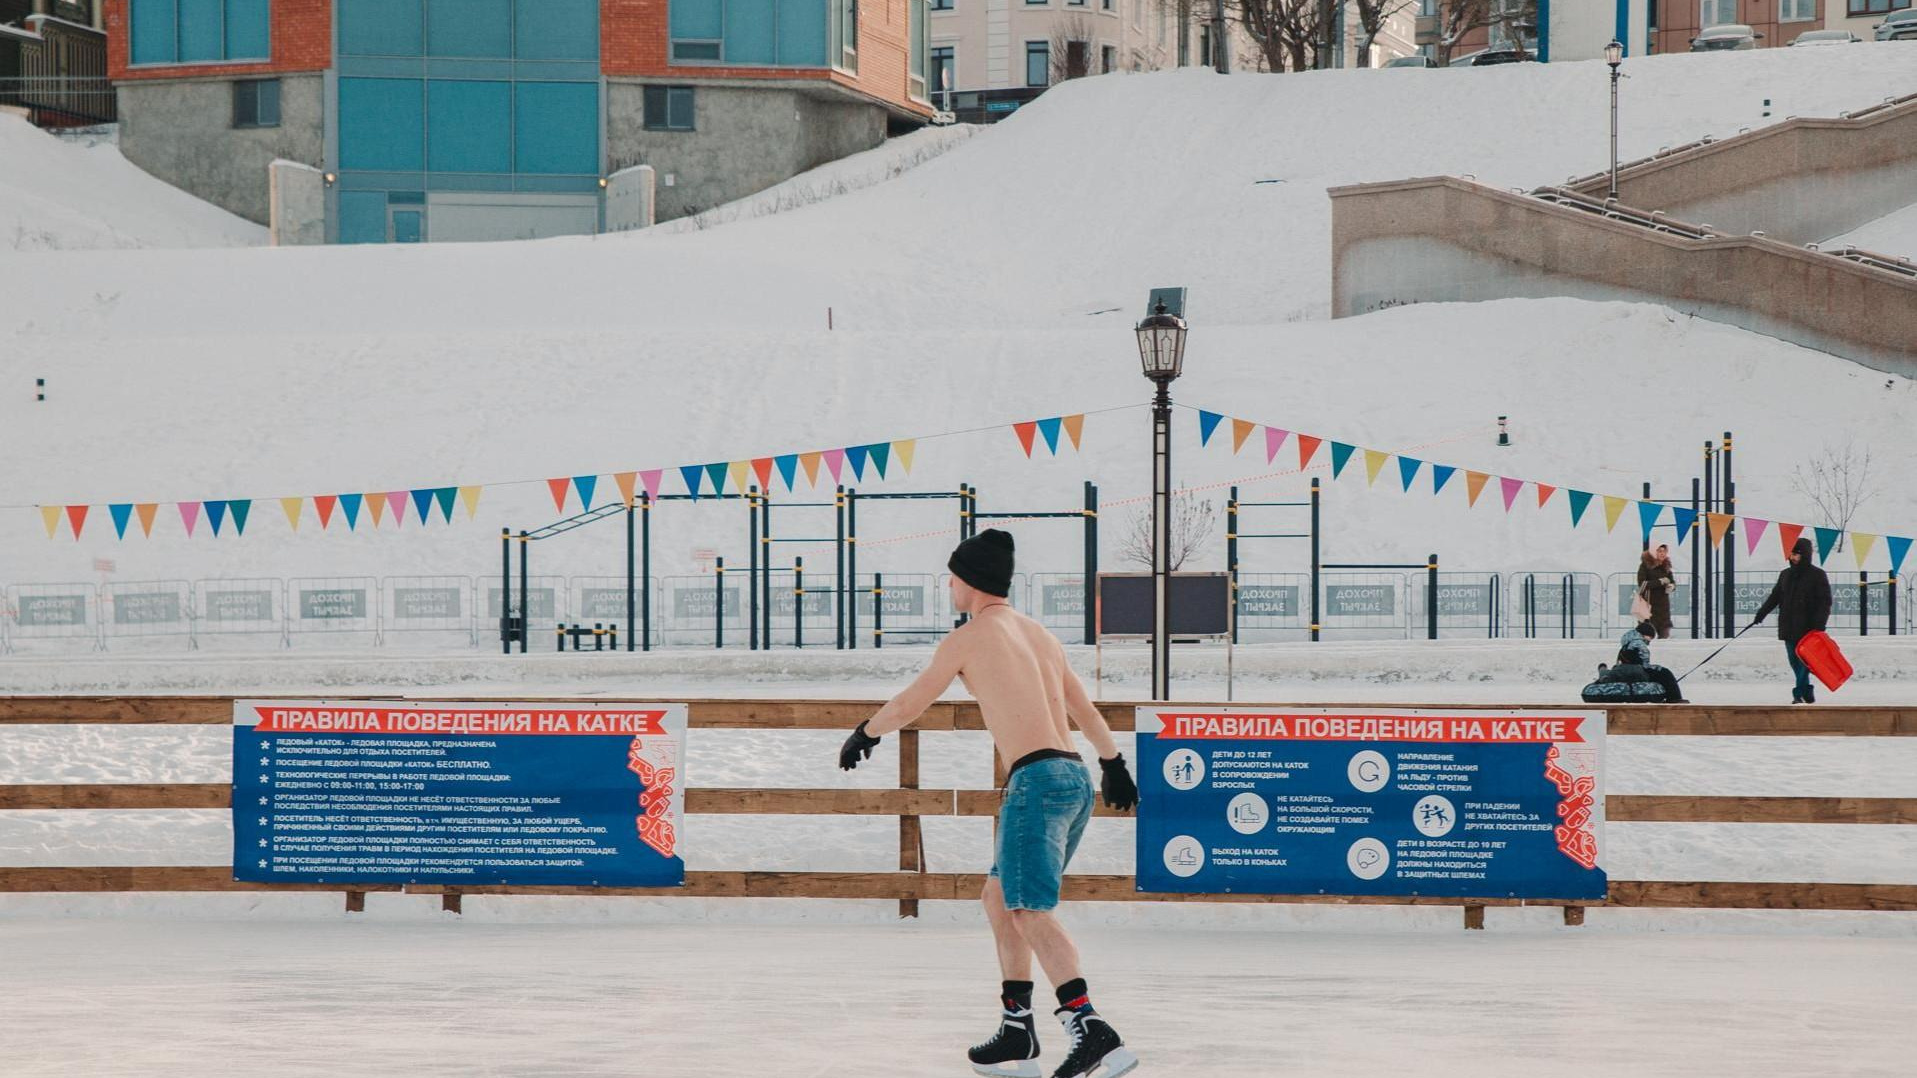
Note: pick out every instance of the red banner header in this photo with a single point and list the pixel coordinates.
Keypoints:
(1488, 729)
(487, 721)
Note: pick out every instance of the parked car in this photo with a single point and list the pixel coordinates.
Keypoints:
(1501, 56)
(1899, 26)
(1825, 37)
(1412, 61)
(1726, 38)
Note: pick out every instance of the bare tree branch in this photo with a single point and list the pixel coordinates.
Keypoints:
(1838, 483)
(1193, 519)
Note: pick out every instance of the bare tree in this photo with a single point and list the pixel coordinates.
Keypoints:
(1838, 483)
(1372, 16)
(1193, 519)
(1071, 48)
(1458, 18)
(1287, 32)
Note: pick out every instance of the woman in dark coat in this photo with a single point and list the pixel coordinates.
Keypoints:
(1802, 601)
(1656, 581)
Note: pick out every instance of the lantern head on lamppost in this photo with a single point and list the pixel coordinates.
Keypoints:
(1614, 54)
(1161, 346)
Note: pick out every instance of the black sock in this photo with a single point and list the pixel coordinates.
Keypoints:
(1074, 996)
(1016, 995)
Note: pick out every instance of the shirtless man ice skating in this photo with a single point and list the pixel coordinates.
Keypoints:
(1029, 698)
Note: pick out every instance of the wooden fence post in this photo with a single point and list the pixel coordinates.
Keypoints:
(911, 829)
(1474, 917)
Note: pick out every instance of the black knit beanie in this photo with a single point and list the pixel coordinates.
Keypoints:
(985, 562)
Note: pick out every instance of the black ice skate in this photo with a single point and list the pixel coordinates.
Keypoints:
(1012, 1050)
(1096, 1050)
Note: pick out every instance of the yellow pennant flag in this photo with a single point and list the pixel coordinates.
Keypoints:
(50, 514)
(738, 471)
(810, 462)
(375, 504)
(1861, 546)
(469, 496)
(1613, 509)
(291, 507)
(1374, 463)
(1717, 524)
(1075, 428)
(1240, 430)
(902, 451)
(625, 481)
(1474, 485)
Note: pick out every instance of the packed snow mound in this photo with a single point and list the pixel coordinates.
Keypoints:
(60, 195)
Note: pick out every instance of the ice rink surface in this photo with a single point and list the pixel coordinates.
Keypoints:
(153, 999)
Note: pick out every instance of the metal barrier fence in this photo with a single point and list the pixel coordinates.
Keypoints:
(916, 608)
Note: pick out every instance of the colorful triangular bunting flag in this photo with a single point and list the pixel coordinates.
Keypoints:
(145, 511)
(1861, 544)
(323, 505)
(559, 488)
(584, 484)
(1647, 514)
(1580, 501)
(1613, 509)
(762, 467)
(1826, 539)
(904, 449)
(1715, 525)
(1408, 470)
(1685, 521)
(1545, 490)
(1025, 432)
(396, 501)
(627, 482)
(445, 496)
(1753, 531)
(1274, 439)
(1511, 487)
(215, 515)
(880, 454)
(650, 479)
(121, 514)
(788, 466)
(469, 497)
(692, 474)
(1307, 449)
(77, 518)
(293, 507)
(1374, 463)
(1207, 422)
(239, 508)
(1474, 485)
(350, 504)
(1340, 456)
(1440, 475)
(423, 504)
(1898, 547)
(1074, 429)
(1048, 429)
(50, 516)
(855, 456)
(376, 507)
(835, 461)
(1240, 430)
(1787, 536)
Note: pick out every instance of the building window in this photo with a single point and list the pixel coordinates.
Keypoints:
(915, 44)
(1106, 4)
(1107, 60)
(1718, 13)
(199, 31)
(668, 108)
(256, 103)
(843, 34)
(464, 29)
(941, 5)
(1797, 10)
(944, 71)
(1876, 7)
(766, 33)
(1038, 63)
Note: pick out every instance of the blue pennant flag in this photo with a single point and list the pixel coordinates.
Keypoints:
(1440, 475)
(423, 504)
(1683, 519)
(445, 496)
(1899, 547)
(1408, 470)
(1580, 501)
(349, 504)
(881, 454)
(1826, 539)
(1049, 428)
(120, 515)
(855, 456)
(215, 515)
(1207, 422)
(584, 484)
(691, 473)
(1340, 456)
(1647, 514)
(788, 468)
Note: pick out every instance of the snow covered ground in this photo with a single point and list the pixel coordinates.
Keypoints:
(178, 1000)
(78, 193)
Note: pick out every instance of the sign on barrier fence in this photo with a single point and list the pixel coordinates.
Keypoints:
(252, 607)
(1472, 804)
(54, 612)
(544, 604)
(1061, 604)
(333, 605)
(427, 604)
(458, 793)
(1361, 600)
(147, 608)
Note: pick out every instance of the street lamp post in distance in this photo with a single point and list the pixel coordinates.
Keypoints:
(1161, 353)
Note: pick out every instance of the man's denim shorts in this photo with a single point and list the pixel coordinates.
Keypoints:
(1047, 803)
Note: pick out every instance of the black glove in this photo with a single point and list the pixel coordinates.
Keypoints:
(858, 746)
(1116, 784)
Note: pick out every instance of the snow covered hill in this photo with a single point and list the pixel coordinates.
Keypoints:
(995, 283)
(61, 195)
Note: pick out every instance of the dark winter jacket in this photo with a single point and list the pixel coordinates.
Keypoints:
(1656, 583)
(1633, 649)
(1801, 597)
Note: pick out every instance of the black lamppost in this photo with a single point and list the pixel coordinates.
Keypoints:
(1161, 351)
(1614, 55)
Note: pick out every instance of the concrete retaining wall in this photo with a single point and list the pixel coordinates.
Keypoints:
(744, 140)
(1804, 180)
(298, 198)
(1445, 239)
(181, 130)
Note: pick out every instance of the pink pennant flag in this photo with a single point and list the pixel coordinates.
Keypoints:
(1274, 438)
(650, 480)
(190, 516)
(1753, 531)
(396, 501)
(835, 462)
(1511, 488)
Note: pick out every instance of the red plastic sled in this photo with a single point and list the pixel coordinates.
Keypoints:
(1819, 652)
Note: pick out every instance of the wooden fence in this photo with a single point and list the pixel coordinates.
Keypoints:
(910, 804)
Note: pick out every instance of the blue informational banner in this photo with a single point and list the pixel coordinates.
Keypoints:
(342, 792)
(1471, 804)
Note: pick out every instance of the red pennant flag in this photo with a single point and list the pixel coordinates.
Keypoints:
(559, 488)
(325, 503)
(77, 517)
(1026, 431)
(1789, 533)
(762, 467)
(1307, 448)
(1545, 491)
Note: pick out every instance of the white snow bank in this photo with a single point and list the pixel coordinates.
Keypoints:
(62, 195)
